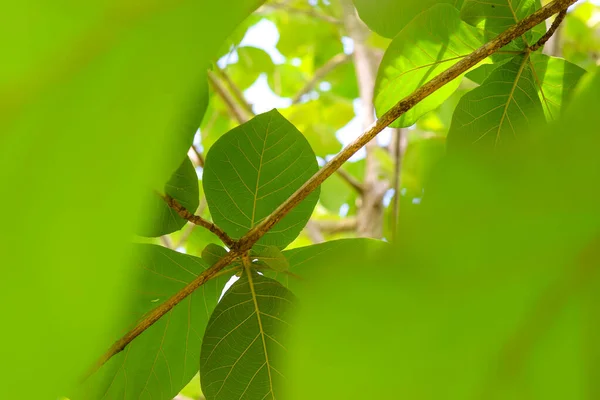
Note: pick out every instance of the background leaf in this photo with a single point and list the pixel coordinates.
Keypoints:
(183, 187)
(388, 17)
(432, 42)
(251, 170)
(244, 340)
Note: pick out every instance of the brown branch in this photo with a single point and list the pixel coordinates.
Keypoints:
(350, 180)
(238, 113)
(302, 11)
(371, 211)
(164, 308)
(344, 225)
(236, 91)
(199, 156)
(559, 19)
(399, 149)
(198, 220)
(321, 73)
(248, 240)
(314, 232)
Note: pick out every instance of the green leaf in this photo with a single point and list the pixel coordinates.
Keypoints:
(286, 80)
(305, 262)
(162, 360)
(99, 88)
(388, 17)
(272, 257)
(240, 357)
(496, 16)
(431, 43)
(334, 193)
(496, 113)
(318, 41)
(555, 79)
(481, 73)
(183, 187)
(254, 168)
(251, 63)
(319, 120)
(212, 253)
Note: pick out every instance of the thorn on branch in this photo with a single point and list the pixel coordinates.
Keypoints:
(198, 220)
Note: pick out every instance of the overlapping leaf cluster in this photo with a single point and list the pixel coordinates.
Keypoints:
(237, 343)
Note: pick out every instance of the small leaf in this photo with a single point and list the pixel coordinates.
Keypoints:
(499, 111)
(251, 63)
(183, 187)
(254, 168)
(388, 17)
(162, 360)
(431, 43)
(272, 257)
(240, 357)
(212, 253)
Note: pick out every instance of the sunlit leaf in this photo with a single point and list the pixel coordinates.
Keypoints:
(244, 341)
(163, 359)
(432, 42)
(388, 17)
(498, 112)
(555, 79)
(495, 16)
(254, 168)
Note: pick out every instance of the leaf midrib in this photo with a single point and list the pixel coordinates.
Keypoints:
(510, 97)
(260, 327)
(260, 163)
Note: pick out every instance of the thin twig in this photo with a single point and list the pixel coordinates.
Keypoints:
(199, 155)
(559, 19)
(350, 180)
(235, 90)
(189, 229)
(248, 240)
(344, 225)
(198, 220)
(398, 155)
(235, 110)
(166, 241)
(321, 73)
(314, 232)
